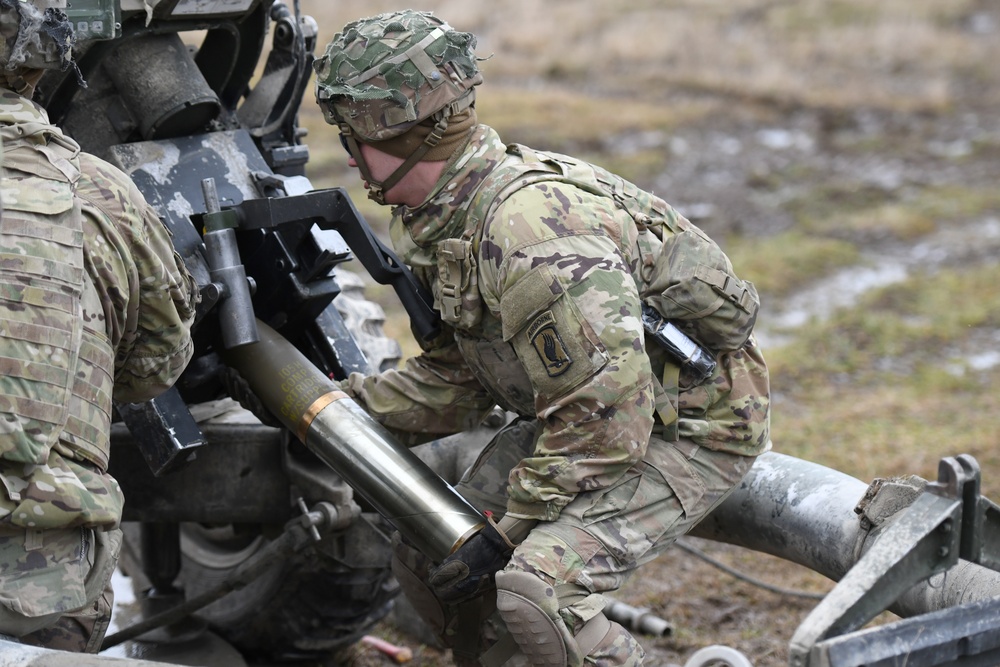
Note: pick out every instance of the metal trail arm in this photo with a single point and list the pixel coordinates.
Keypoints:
(948, 521)
(808, 514)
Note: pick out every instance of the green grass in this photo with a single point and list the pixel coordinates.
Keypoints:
(879, 389)
(779, 264)
(882, 387)
(873, 378)
(955, 202)
(915, 321)
(895, 428)
(851, 210)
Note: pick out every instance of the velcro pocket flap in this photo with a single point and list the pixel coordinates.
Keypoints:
(529, 296)
(36, 195)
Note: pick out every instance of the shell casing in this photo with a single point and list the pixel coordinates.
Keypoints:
(401, 487)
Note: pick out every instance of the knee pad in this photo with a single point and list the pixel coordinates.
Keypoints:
(530, 609)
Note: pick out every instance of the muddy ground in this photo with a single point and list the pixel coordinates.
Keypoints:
(747, 167)
(744, 172)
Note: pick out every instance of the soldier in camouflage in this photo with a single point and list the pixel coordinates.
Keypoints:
(539, 264)
(94, 305)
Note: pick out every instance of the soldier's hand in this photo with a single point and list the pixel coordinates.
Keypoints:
(239, 389)
(469, 571)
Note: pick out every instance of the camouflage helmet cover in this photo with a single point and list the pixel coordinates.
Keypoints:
(35, 34)
(384, 74)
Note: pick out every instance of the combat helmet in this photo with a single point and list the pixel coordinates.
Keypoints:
(387, 79)
(34, 35)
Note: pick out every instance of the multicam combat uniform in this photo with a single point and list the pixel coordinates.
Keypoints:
(94, 304)
(538, 263)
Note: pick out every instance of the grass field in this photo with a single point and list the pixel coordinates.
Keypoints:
(820, 142)
(627, 71)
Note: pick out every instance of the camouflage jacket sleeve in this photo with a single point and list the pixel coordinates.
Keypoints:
(433, 394)
(148, 295)
(553, 268)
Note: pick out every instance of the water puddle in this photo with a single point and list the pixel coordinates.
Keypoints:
(124, 612)
(203, 650)
(951, 245)
(839, 290)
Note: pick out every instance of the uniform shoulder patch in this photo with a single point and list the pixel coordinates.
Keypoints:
(548, 343)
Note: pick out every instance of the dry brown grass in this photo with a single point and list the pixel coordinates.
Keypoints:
(567, 75)
(572, 75)
(897, 53)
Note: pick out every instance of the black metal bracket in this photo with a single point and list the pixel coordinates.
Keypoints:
(333, 209)
(164, 431)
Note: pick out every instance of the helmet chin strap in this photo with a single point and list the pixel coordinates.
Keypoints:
(376, 190)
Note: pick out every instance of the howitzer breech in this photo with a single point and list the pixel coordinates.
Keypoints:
(401, 487)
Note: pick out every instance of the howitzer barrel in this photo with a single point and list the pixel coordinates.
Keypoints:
(401, 487)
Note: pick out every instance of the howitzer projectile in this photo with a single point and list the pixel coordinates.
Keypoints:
(401, 487)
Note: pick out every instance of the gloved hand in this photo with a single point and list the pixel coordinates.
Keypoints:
(469, 571)
(239, 389)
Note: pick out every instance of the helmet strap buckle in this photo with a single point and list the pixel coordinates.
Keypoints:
(429, 142)
(435, 135)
